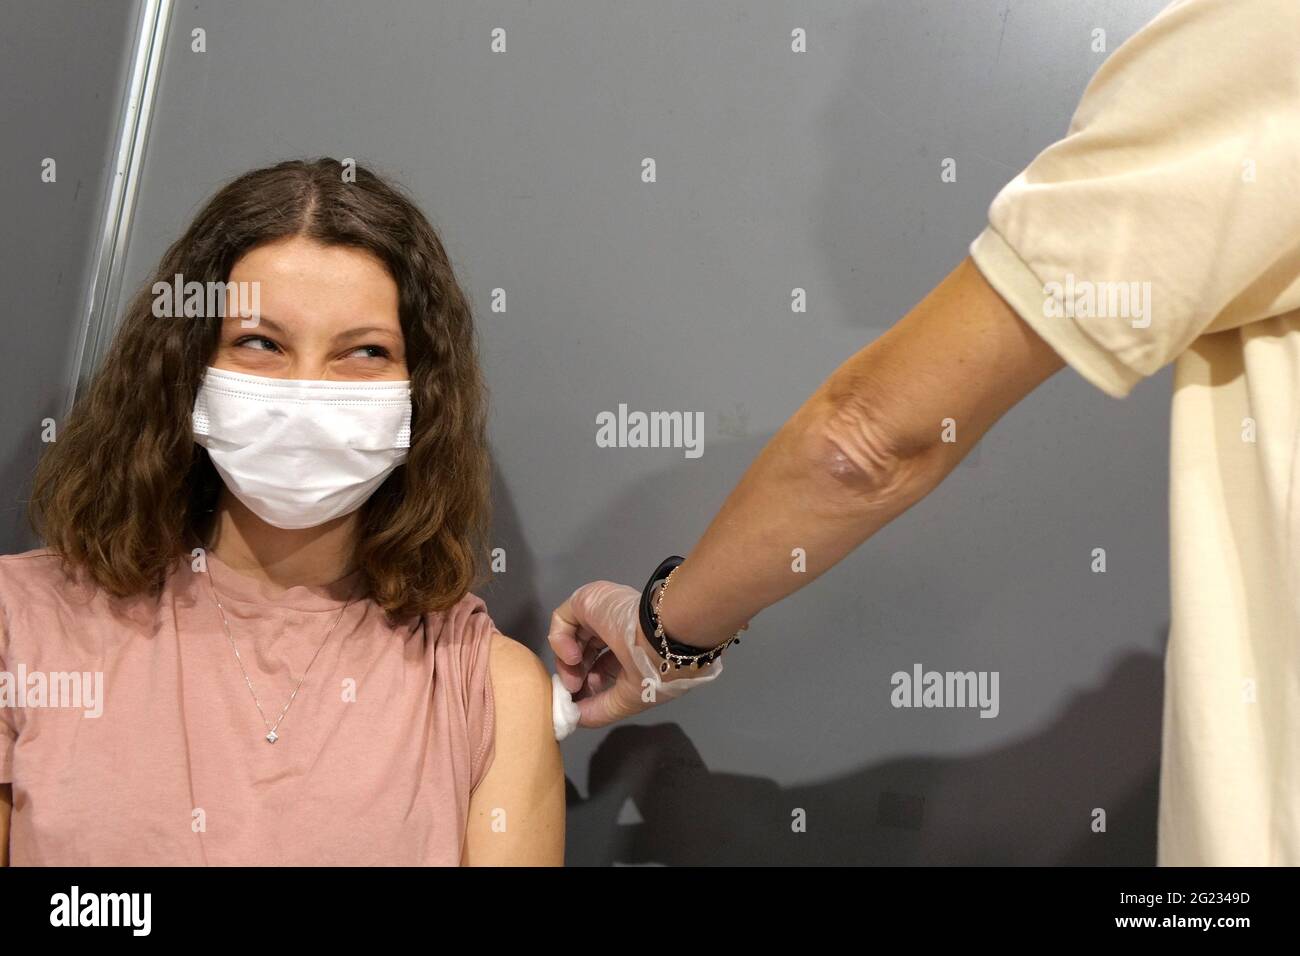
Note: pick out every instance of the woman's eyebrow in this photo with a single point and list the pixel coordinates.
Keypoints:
(261, 320)
(275, 326)
(365, 330)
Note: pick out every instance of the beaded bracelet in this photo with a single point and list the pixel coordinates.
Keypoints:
(673, 651)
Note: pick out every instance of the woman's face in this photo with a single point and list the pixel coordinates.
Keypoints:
(326, 313)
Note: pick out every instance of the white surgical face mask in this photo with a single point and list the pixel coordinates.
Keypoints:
(299, 453)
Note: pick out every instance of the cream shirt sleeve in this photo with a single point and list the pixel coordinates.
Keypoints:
(1171, 208)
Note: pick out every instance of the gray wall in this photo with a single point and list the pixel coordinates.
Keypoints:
(63, 77)
(775, 170)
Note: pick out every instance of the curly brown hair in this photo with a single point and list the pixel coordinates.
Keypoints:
(125, 490)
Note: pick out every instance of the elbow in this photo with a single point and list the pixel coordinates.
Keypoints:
(852, 447)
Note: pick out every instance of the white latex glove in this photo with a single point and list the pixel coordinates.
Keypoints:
(604, 688)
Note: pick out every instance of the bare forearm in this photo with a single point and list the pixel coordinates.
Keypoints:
(799, 509)
(879, 435)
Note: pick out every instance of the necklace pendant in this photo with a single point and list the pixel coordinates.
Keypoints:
(272, 736)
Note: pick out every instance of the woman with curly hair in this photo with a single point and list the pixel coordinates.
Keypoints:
(262, 529)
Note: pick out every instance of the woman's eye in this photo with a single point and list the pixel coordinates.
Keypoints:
(376, 351)
(256, 338)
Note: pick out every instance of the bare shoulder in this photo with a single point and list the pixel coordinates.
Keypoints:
(521, 695)
(513, 665)
(517, 810)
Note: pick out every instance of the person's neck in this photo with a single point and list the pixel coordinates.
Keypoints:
(311, 556)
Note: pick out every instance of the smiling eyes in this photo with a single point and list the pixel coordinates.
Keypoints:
(377, 351)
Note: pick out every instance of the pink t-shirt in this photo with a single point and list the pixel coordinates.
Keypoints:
(374, 762)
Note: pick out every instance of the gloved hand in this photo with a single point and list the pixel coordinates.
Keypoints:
(606, 687)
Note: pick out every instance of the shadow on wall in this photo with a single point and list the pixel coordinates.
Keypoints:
(1022, 804)
(517, 610)
(16, 534)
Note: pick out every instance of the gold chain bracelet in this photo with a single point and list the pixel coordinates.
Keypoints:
(679, 660)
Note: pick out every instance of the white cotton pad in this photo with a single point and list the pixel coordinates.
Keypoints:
(564, 712)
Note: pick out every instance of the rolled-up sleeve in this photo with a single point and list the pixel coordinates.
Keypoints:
(1171, 208)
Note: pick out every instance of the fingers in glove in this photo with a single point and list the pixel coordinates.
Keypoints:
(604, 673)
(564, 634)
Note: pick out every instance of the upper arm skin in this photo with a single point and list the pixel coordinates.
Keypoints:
(962, 353)
(6, 808)
(516, 814)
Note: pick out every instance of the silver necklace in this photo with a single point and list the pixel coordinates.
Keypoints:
(271, 735)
